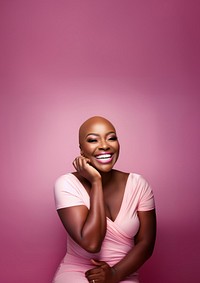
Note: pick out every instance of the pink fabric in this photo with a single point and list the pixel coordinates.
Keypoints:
(119, 236)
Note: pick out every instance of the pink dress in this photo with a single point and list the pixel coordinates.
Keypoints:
(138, 196)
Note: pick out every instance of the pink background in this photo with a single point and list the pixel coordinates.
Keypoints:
(134, 62)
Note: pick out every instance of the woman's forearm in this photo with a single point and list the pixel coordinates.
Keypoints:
(132, 261)
(94, 228)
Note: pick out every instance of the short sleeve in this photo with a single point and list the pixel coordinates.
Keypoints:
(67, 192)
(146, 199)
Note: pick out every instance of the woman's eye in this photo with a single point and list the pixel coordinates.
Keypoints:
(112, 138)
(91, 140)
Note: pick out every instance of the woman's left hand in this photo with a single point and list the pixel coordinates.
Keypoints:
(101, 273)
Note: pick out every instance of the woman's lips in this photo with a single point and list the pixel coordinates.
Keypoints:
(104, 158)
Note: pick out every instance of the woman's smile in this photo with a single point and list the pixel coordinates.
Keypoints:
(104, 158)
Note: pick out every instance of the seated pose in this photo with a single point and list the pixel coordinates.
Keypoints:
(109, 215)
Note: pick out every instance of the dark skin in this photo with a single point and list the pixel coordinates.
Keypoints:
(105, 186)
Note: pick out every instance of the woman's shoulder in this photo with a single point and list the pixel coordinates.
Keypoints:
(66, 180)
(64, 177)
(132, 179)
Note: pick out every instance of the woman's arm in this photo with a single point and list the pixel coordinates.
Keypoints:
(87, 226)
(144, 245)
(143, 249)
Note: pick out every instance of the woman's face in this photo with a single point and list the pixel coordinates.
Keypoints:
(98, 142)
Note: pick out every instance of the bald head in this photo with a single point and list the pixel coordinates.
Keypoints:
(93, 124)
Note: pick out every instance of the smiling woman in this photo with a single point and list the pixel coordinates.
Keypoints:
(98, 142)
(109, 215)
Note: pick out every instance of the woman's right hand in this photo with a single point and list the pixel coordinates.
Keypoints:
(85, 169)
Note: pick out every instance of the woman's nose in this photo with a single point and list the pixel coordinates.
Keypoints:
(103, 145)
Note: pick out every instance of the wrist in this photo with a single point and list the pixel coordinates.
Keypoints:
(96, 181)
(115, 274)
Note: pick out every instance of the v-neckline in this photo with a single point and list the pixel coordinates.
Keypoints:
(123, 198)
(122, 203)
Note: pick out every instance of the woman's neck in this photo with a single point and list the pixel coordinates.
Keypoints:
(107, 177)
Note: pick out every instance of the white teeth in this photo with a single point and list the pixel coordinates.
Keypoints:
(103, 156)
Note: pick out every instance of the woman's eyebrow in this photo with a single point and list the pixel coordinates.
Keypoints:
(94, 134)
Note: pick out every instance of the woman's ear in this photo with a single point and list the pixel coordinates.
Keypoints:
(81, 151)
